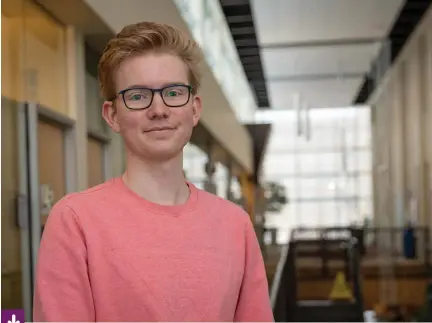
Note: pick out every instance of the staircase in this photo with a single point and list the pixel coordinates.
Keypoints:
(286, 306)
(328, 311)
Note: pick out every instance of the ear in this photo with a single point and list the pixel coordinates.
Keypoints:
(196, 110)
(109, 113)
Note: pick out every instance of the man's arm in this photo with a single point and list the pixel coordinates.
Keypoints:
(254, 300)
(62, 288)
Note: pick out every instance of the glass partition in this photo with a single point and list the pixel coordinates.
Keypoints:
(34, 47)
(208, 26)
(45, 59)
(33, 70)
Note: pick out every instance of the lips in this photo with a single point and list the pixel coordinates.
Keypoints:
(159, 129)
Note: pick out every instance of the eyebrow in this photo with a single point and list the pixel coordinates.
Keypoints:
(134, 86)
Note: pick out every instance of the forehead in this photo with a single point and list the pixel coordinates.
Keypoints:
(151, 70)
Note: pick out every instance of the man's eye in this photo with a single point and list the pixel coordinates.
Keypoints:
(137, 97)
(172, 93)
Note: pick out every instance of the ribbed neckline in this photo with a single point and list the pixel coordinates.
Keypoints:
(174, 210)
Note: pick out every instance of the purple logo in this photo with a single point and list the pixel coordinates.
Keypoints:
(12, 316)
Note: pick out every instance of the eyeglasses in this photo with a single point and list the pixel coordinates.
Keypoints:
(139, 98)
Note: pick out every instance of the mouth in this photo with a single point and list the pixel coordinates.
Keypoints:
(160, 129)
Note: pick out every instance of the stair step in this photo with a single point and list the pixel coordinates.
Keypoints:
(327, 311)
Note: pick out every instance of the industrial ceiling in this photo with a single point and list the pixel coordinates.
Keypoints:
(325, 51)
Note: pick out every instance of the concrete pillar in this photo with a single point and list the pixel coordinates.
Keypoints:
(398, 150)
(228, 193)
(273, 233)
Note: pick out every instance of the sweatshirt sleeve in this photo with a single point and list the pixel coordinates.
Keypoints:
(62, 286)
(254, 299)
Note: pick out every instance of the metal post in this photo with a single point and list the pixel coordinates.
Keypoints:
(388, 284)
(298, 108)
(228, 193)
(307, 121)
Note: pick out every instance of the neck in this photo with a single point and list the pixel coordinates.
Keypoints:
(158, 182)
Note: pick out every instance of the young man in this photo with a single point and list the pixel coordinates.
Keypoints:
(150, 246)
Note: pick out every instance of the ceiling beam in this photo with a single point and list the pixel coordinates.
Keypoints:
(323, 43)
(238, 14)
(311, 77)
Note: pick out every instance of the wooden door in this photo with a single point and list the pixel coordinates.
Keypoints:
(51, 154)
(95, 162)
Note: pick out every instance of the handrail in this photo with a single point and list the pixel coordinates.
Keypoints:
(278, 275)
(283, 294)
(274, 290)
(354, 259)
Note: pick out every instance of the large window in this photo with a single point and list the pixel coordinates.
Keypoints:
(221, 179)
(328, 177)
(194, 160)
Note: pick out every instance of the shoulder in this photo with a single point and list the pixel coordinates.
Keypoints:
(87, 199)
(229, 218)
(223, 207)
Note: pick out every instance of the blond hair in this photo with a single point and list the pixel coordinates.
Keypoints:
(143, 38)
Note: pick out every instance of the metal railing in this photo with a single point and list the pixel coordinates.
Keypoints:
(285, 283)
(352, 245)
(391, 240)
(283, 293)
(374, 244)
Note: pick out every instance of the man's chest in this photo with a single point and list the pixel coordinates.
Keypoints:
(182, 274)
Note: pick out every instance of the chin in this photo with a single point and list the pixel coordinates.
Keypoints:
(162, 153)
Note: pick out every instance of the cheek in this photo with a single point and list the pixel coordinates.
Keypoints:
(188, 125)
(128, 122)
(186, 117)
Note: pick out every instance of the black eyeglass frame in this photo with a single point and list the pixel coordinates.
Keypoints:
(153, 91)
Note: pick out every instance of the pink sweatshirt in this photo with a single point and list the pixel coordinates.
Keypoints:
(108, 255)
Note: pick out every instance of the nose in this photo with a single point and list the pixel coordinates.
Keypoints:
(158, 109)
